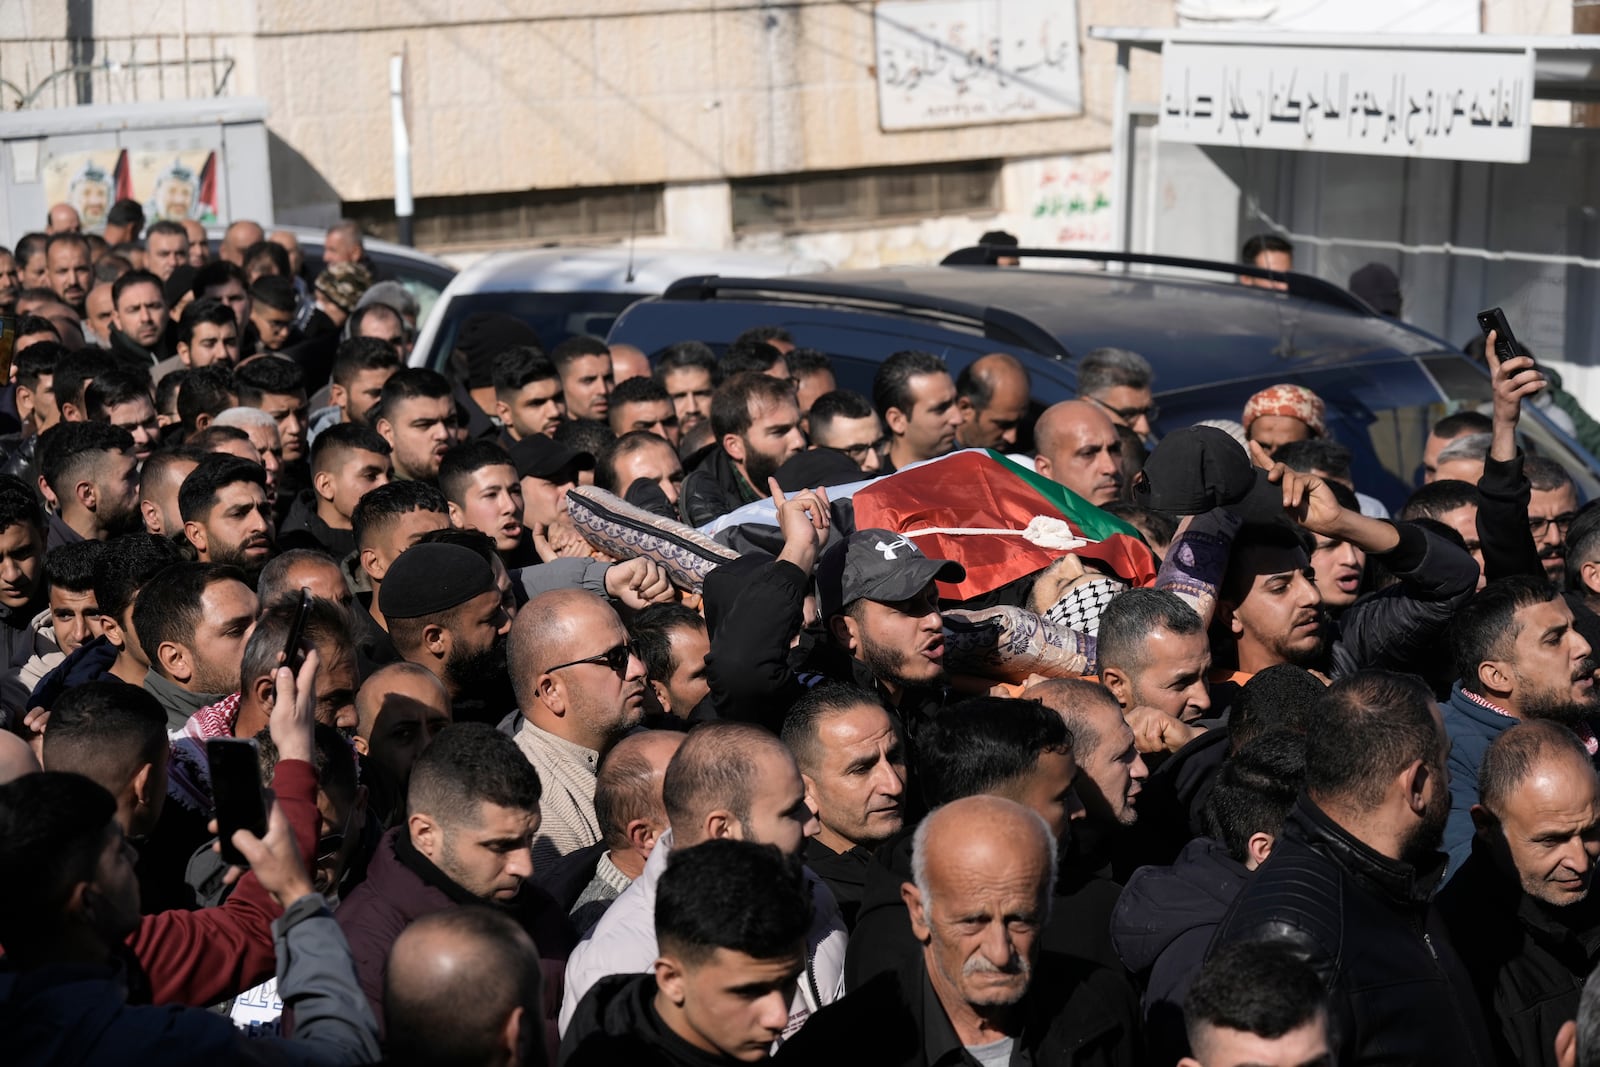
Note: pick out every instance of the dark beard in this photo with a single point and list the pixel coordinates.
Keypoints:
(758, 467)
(234, 556)
(884, 663)
(1421, 848)
(477, 670)
(1564, 712)
(1557, 705)
(124, 522)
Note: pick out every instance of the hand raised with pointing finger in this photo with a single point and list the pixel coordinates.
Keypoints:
(804, 519)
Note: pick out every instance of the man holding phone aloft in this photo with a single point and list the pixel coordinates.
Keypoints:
(81, 910)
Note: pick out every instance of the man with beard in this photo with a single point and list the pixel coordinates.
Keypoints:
(91, 470)
(757, 424)
(877, 598)
(417, 416)
(225, 512)
(1517, 657)
(688, 371)
(1266, 609)
(472, 807)
(580, 688)
(67, 263)
(1348, 883)
(122, 398)
(1552, 505)
(445, 613)
(1520, 911)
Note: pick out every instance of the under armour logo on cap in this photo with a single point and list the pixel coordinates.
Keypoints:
(888, 549)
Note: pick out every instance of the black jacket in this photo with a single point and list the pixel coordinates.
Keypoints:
(302, 527)
(881, 940)
(1528, 960)
(1076, 1013)
(616, 1023)
(713, 489)
(1400, 994)
(1161, 927)
(1398, 627)
(130, 355)
(1172, 804)
(1503, 534)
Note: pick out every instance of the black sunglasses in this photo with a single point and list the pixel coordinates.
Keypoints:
(616, 658)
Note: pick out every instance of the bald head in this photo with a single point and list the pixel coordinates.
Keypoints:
(399, 710)
(302, 568)
(982, 838)
(16, 758)
(239, 237)
(720, 767)
(628, 786)
(628, 361)
(454, 981)
(983, 872)
(63, 218)
(564, 681)
(993, 393)
(1078, 447)
(1113, 772)
(401, 689)
(545, 632)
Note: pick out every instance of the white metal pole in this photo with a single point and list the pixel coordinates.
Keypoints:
(1121, 164)
(403, 206)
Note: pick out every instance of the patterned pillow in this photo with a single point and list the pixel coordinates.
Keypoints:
(1008, 644)
(624, 531)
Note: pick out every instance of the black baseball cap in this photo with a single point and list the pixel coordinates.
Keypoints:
(1198, 468)
(877, 565)
(537, 456)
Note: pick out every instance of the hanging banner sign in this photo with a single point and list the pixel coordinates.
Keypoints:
(1373, 101)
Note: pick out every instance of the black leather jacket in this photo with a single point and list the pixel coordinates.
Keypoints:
(1400, 994)
(713, 489)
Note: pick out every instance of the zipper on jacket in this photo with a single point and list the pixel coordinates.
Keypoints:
(1427, 940)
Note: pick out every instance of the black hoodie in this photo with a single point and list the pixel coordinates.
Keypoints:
(616, 1023)
(1161, 927)
(302, 527)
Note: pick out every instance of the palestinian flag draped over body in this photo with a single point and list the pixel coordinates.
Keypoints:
(977, 489)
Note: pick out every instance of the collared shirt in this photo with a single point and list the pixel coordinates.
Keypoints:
(1584, 731)
(941, 1046)
(566, 806)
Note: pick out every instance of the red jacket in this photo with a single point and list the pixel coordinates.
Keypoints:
(201, 957)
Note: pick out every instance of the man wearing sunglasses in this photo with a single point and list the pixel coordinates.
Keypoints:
(1118, 383)
(580, 687)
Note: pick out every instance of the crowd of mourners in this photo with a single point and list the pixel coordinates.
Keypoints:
(1320, 791)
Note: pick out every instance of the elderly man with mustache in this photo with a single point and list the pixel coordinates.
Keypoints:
(982, 874)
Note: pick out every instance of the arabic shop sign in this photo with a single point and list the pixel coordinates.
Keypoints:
(1377, 101)
(974, 62)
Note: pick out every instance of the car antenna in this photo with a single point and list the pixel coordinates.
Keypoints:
(633, 216)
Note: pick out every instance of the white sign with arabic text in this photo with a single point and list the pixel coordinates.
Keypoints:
(1377, 101)
(974, 62)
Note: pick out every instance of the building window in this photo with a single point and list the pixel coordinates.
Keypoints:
(518, 218)
(843, 199)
